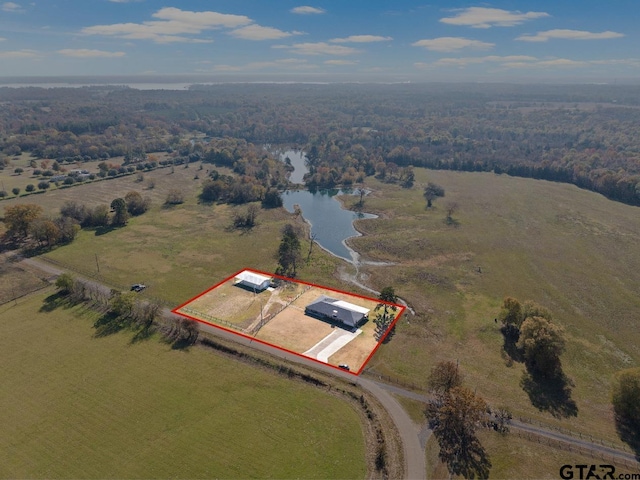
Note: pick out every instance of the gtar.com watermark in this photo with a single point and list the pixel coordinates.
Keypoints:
(595, 472)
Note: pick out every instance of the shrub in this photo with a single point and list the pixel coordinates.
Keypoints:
(30, 188)
(15, 191)
(174, 197)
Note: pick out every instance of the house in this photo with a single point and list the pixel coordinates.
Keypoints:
(332, 309)
(252, 281)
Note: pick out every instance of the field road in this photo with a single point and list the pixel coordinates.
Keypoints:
(414, 454)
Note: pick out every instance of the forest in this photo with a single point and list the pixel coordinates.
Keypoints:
(586, 135)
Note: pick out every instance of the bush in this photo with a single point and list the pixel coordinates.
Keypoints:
(69, 181)
(174, 197)
(30, 188)
(43, 185)
(15, 191)
(3, 193)
(37, 172)
(18, 170)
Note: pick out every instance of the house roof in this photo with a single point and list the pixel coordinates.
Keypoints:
(253, 278)
(344, 311)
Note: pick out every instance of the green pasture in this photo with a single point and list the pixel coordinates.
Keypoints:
(571, 250)
(77, 406)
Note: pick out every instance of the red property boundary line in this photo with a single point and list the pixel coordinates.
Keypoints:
(382, 339)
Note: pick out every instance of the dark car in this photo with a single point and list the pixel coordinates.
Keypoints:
(344, 366)
(138, 287)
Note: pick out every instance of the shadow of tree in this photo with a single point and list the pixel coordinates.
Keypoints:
(629, 433)
(104, 230)
(550, 394)
(511, 335)
(144, 333)
(471, 462)
(110, 323)
(56, 300)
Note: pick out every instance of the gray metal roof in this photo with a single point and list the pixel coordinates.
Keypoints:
(337, 309)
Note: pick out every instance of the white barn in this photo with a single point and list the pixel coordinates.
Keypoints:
(253, 281)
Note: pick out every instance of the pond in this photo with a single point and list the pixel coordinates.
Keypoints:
(330, 223)
(297, 158)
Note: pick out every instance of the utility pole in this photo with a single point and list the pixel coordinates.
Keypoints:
(97, 264)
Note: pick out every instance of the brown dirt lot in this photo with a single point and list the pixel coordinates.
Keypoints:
(293, 330)
(232, 304)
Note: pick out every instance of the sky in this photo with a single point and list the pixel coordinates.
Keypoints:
(401, 40)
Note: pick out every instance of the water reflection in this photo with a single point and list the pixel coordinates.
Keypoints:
(330, 224)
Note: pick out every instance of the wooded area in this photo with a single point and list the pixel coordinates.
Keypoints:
(587, 135)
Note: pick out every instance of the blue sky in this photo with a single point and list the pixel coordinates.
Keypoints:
(572, 40)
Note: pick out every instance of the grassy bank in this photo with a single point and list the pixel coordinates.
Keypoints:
(570, 250)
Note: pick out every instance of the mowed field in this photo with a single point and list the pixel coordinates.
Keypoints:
(76, 406)
(570, 250)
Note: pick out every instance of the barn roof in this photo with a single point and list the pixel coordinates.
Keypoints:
(252, 278)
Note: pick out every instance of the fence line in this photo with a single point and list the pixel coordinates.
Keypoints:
(566, 446)
(580, 435)
(99, 278)
(16, 297)
(257, 328)
(210, 318)
(396, 381)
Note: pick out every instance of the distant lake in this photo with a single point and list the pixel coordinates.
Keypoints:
(297, 161)
(331, 224)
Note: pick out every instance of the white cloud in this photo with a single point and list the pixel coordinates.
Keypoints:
(87, 53)
(12, 7)
(172, 25)
(306, 10)
(339, 62)
(256, 32)
(569, 35)
(450, 44)
(19, 54)
(319, 48)
(481, 17)
(361, 39)
(2, 39)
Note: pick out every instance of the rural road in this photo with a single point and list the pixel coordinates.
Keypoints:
(414, 454)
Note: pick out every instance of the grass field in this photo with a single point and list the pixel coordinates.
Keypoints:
(570, 250)
(573, 251)
(76, 406)
(18, 279)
